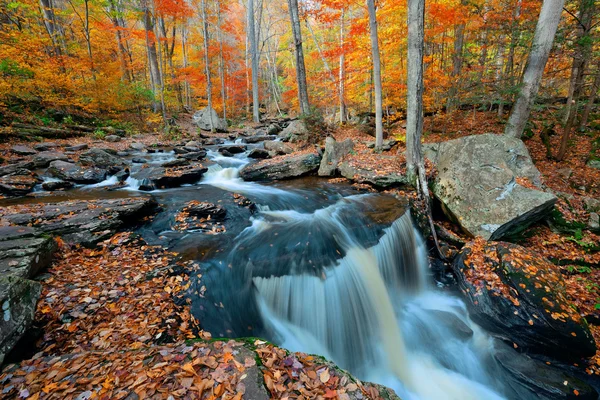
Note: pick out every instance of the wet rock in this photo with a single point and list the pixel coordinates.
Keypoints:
(178, 162)
(123, 175)
(85, 222)
(77, 147)
(75, 173)
(18, 298)
(259, 154)
(24, 252)
(213, 141)
(23, 150)
(57, 185)
(281, 167)
(226, 153)
(180, 150)
(295, 131)
(146, 185)
(273, 129)
(137, 160)
(137, 146)
(363, 175)
(112, 138)
(203, 118)
(488, 184)
(122, 153)
(12, 168)
(193, 143)
(334, 153)
(43, 159)
(45, 146)
(100, 158)
(233, 149)
(161, 177)
(521, 297)
(194, 156)
(205, 210)
(259, 138)
(279, 148)
(18, 183)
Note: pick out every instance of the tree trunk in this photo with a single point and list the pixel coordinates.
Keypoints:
(583, 47)
(591, 99)
(222, 63)
(186, 84)
(457, 61)
(499, 68)
(300, 68)
(342, 73)
(152, 56)
(207, 63)
(376, 74)
(514, 41)
(251, 33)
(538, 56)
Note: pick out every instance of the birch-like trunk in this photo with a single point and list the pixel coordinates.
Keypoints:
(538, 56)
(376, 74)
(207, 63)
(254, 58)
(152, 57)
(342, 73)
(221, 62)
(300, 68)
(591, 99)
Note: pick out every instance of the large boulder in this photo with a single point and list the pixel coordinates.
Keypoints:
(161, 177)
(19, 298)
(381, 179)
(259, 138)
(202, 119)
(521, 297)
(334, 153)
(74, 173)
(24, 252)
(43, 159)
(18, 183)
(278, 148)
(295, 131)
(284, 167)
(488, 184)
(100, 159)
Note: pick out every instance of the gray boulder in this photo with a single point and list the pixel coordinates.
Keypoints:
(12, 168)
(77, 147)
(24, 252)
(112, 138)
(279, 148)
(488, 184)
(137, 146)
(295, 131)
(281, 168)
(161, 177)
(23, 150)
(100, 159)
(45, 146)
(334, 153)
(363, 175)
(202, 119)
(43, 159)
(259, 138)
(259, 154)
(75, 173)
(18, 298)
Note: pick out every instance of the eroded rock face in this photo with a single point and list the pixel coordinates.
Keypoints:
(18, 298)
(43, 159)
(295, 131)
(75, 173)
(202, 119)
(334, 153)
(18, 183)
(284, 167)
(521, 297)
(488, 184)
(24, 252)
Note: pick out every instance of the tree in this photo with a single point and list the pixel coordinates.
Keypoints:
(376, 74)
(254, 56)
(300, 67)
(155, 75)
(207, 64)
(538, 56)
(592, 97)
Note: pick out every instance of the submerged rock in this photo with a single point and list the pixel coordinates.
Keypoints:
(18, 297)
(488, 184)
(284, 167)
(202, 119)
(521, 297)
(334, 153)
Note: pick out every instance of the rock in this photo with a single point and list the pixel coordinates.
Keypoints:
(18, 183)
(488, 184)
(137, 160)
(565, 173)
(18, 298)
(273, 129)
(146, 185)
(23, 150)
(137, 146)
(194, 156)
(100, 158)
(57, 185)
(122, 153)
(591, 204)
(213, 141)
(594, 222)
(334, 153)
(595, 163)
(24, 252)
(259, 138)
(43, 159)
(295, 131)
(205, 210)
(281, 167)
(45, 146)
(180, 150)
(112, 138)
(362, 175)
(178, 162)
(193, 143)
(12, 168)
(226, 153)
(233, 149)
(77, 147)
(279, 148)
(123, 175)
(521, 297)
(75, 173)
(202, 119)
(161, 177)
(85, 222)
(259, 154)
(192, 149)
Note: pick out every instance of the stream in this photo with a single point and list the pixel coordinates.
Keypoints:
(316, 267)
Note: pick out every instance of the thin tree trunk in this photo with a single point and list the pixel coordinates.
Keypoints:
(207, 63)
(186, 84)
(342, 74)
(152, 56)
(499, 68)
(254, 57)
(457, 61)
(300, 68)
(221, 62)
(591, 99)
(376, 74)
(538, 56)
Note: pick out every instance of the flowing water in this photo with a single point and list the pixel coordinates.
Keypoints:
(319, 269)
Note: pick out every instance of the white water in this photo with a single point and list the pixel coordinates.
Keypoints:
(374, 314)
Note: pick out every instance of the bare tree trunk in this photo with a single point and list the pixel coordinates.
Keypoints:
(499, 68)
(538, 56)
(152, 56)
(207, 63)
(591, 99)
(186, 84)
(251, 33)
(457, 61)
(53, 29)
(221, 62)
(583, 47)
(342, 74)
(300, 68)
(376, 74)
(514, 40)
(415, 163)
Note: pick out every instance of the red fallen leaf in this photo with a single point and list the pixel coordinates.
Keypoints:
(330, 394)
